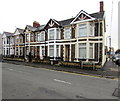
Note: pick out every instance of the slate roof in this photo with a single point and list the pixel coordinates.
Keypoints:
(66, 22)
(31, 28)
(97, 15)
(20, 30)
(8, 33)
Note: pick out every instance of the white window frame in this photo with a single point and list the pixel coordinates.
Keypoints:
(27, 38)
(92, 50)
(67, 30)
(42, 36)
(91, 29)
(80, 27)
(58, 33)
(38, 37)
(43, 50)
(50, 33)
(58, 50)
(82, 46)
(50, 50)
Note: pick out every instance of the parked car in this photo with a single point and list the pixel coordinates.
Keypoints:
(116, 59)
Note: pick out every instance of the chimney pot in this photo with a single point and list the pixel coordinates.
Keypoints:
(36, 24)
(101, 6)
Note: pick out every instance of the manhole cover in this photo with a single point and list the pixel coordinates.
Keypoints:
(116, 92)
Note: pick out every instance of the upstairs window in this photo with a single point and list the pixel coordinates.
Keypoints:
(27, 37)
(32, 37)
(42, 36)
(38, 36)
(82, 30)
(51, 33)
(67, 33)
(91, 30)
(57, 33)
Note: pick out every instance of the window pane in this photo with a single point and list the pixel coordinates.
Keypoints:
(42, 36)
(91, 52)
(38, 37)
(67, 33)
(51, 50)
(91, 30)
(57, 50)
(57, 34)
(82, 30)
(51, 34)
(82, 50)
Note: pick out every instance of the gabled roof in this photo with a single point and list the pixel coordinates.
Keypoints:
(8, 33)
(31, 28)
(82, 15)
(41, 27)
(66, 22)
(21, 31)
(98, 15)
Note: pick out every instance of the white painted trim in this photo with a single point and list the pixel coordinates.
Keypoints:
(79, 15)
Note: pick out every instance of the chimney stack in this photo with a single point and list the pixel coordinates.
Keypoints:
(101, 6)
(36, 24)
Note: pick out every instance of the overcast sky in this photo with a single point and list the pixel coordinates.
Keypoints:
(19, 13)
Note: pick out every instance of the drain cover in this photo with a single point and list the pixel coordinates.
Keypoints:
(116, 92)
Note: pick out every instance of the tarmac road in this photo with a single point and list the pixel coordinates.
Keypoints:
(25, 82)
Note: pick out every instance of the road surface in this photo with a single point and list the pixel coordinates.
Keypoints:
(25, 82)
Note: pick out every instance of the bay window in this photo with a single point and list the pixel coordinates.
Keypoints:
(43, 50)
(57, 50)
(51, 50)
(51, 33)
(27, 37)
(38, 36)
(82, 50)
(82, 30)
(42, 36)
(91, 50)
(67, 33)
(32, 37)
(57, 33)
(91, 30)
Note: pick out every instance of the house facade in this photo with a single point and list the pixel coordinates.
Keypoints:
(19, 43)
(7, 44)
(81, 38)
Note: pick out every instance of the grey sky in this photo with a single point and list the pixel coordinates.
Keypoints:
(19, 13)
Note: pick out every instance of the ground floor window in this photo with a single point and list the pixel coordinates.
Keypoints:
(51, 50)
(82, 50)
(91, 50)
(43, 50)
(57, 50)
(20, 51)
(16, 50)
(32, 51)
(27, 50)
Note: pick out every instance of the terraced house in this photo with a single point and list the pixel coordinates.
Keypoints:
(78, 39)
(7, 44)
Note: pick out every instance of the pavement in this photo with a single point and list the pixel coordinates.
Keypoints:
(26, 82)
(109, 70)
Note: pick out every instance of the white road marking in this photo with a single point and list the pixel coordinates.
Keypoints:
(15, 70)
(61, 81)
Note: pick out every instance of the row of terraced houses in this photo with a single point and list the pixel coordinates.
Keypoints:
(81, 38)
